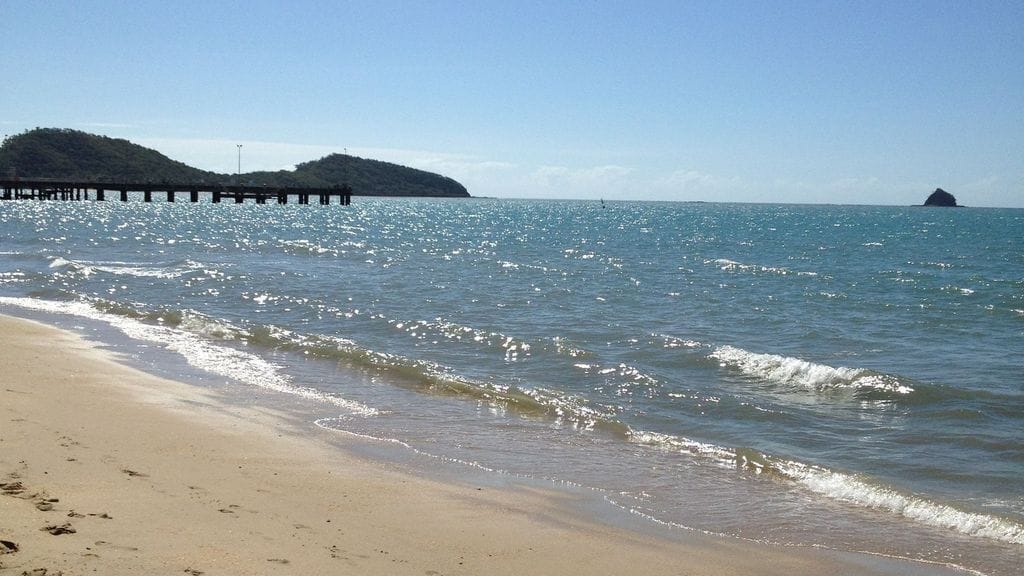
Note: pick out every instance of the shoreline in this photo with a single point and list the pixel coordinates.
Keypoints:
(133, 473)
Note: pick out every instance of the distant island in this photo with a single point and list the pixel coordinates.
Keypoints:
(941, 198)
(75, 155)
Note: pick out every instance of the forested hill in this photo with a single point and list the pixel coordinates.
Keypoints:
(75, 155)
(366, 177)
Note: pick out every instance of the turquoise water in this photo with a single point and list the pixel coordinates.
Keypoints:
(848, 377)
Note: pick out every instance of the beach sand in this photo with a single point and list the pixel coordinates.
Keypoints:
(107, 470)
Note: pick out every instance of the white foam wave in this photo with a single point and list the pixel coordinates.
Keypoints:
(673, 342)
(958, 290)
(848, 488)
(516, 266)
(335, 425)
(59, 262)
(734, 266)
(308, 247)
(198, 352)
(139, 271)
(122, 268)
(844, 487)
(718, 454)
(796, 372)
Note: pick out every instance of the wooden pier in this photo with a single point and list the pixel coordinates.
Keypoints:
(71, 190)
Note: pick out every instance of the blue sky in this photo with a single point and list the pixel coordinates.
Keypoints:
(825, 102)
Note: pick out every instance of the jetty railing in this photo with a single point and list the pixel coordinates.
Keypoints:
(77, 190)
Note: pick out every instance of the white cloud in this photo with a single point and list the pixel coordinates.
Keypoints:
(695, 181)
(855, 184)
(455, 165)
(992, 190)
(104, 125)
(986, 184)
(588, 182)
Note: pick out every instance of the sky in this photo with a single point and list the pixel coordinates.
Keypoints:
(845, 102)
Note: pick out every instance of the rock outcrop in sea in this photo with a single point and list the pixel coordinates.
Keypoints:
(941, 198)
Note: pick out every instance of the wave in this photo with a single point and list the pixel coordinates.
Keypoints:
(86, 268)
(508, 265)
(854, 490)
(734, 266)
(309, 247)
(337, 425)
(429, 377)
(843, 487)
(127, 269)
(58, 263)
(195, 337)
(674, 342)
(512, 348)
(623, 371)
(794, 372)
(12, 277)
(194, 347)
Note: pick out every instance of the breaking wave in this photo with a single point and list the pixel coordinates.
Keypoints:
(797, 373)
(86, 268)
(843, 487)
(197, 350)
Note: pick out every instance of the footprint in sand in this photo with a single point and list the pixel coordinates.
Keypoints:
(67, 442)
(112, 546)
(65, 528)
(46, 504)
(12, 488)
(8, 547)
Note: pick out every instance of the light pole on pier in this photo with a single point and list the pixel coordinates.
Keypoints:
(239, 173)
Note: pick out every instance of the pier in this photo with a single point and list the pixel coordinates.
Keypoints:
(72, 190)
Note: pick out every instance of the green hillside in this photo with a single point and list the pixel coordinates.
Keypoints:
(74, 155)
(70, 154)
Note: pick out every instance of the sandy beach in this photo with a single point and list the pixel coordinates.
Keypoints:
(108, 470)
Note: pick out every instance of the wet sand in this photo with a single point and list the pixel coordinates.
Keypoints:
(108, 470)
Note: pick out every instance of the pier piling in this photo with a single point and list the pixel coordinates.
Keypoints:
(55, 189)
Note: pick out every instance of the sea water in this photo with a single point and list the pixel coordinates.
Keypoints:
(848, 377)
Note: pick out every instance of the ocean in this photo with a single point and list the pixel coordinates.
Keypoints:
(845, 377)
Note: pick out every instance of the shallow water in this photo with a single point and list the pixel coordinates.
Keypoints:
(847, 377)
